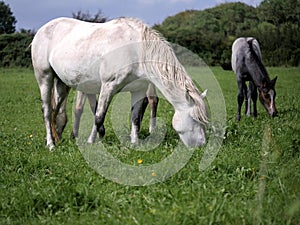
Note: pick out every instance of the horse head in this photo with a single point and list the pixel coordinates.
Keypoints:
(191, 132)
(190, 129)
(267, 96)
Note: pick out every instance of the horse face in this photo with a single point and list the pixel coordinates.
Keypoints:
(191, 132)
(267, 98)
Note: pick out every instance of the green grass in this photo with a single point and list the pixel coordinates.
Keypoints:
(255, 178)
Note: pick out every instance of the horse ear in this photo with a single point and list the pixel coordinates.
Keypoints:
(273, 82)
(203, 95)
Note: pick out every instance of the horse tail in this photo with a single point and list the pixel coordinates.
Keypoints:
(256, 53)
(28, 47)
(254, 47)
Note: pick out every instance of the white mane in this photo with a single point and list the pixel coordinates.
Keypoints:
(165, 64)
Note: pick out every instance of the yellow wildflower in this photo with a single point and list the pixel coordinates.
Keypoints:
(140, 161)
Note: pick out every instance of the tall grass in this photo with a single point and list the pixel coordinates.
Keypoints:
(255, 178)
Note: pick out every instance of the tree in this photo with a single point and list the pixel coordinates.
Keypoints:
(14, 50)
(280, 12)
(210, 33)
(97, 18)
(7, 20)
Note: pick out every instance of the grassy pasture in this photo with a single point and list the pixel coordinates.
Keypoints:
(255, 178)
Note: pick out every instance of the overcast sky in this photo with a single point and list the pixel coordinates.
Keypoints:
(32, 14)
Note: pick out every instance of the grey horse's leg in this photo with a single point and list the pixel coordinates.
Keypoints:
(254, 98)
(248, 101)
(240, 97)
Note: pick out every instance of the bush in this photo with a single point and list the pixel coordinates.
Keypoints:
(14, 50)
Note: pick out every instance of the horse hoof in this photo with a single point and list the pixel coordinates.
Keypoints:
(101, 132)
(51, 147)
(134, 143)
(73, 136)
(90, 140)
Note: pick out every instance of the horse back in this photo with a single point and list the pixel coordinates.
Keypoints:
(241, 50)
(75, 50)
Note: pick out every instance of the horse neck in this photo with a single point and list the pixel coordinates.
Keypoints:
(174, 95)
(258, 72)
(166, 72)
(256, 68)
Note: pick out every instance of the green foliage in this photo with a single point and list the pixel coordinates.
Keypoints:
(281, 38)
(15, 50)
(253, 180)
(7, 20)
(211, 32)
(97, 18)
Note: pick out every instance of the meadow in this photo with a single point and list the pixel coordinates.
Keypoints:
(254, 179)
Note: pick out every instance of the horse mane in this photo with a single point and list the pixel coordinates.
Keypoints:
(256, 55)
(160, 56)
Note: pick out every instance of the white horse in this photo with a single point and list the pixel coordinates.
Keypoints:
(120, 55)
(151, 99)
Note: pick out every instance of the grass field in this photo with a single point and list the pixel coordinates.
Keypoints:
(255, 178)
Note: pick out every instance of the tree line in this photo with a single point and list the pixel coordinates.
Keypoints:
(208, 33)
(211, 32)
(15, 46)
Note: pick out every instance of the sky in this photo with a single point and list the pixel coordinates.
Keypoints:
(32, 14)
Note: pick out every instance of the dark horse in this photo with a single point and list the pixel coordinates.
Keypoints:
(247, 65)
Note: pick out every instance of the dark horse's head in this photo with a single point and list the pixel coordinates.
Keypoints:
(267, 96)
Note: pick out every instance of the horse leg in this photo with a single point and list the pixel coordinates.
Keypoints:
(107, 91)
(245, 91)
(240, 98)
(59, 115)
(45, 82)
(139, 103)
(248, 101)
(254, 99)
(80, 101)
(153, 102)
(93, 104)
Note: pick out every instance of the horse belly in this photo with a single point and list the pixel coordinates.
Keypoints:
(81, 81)
(89, 87)
(77, 72)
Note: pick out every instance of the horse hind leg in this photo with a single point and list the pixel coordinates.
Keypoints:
(248, 100)
(139, 105)
(240, 98)
(254, 98)
(59, 102)
(80, 101)
(45, 79)
(153, 103)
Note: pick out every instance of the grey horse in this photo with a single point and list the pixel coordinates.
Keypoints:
(247, 65)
